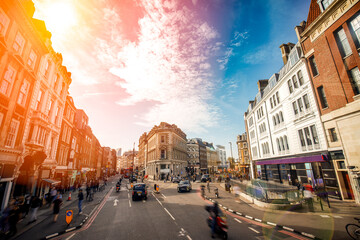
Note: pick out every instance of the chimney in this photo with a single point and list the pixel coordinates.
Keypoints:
(262, 84)
(299, 29)
(285, 50)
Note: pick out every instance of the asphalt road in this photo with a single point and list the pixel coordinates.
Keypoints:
(168, 215)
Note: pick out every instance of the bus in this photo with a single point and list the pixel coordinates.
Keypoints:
(127, 172)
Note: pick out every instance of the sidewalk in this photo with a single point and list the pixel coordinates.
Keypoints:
(327, 224)
(44, 224)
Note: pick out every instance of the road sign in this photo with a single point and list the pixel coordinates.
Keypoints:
(69, 216)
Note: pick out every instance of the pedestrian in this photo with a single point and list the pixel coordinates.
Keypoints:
(34, 206)
(56, 209)
(87, 191)
(80, 198)
(308, 196)
(14, 216)
(27, 205)
(208, 185)
(53, 194)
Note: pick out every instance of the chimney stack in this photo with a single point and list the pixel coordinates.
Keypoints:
(285, 50)
(299, 29)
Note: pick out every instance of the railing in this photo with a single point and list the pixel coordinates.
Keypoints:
(269, 192)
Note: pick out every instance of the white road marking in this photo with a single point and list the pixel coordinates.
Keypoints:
(249, 217)
(129, 202)
(163, 195)
(237, 220)
(188, 237)
(308, 235)
(258, 220)
(253, 230)
(128, 195)
(70, 236)
(289, 229)
(70, 229)
(169, 214)
(270, 223)
(52, 235)
(116, 202)
(337, 216)
(325, 216)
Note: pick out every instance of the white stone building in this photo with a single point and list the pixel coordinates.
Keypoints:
(222, 156)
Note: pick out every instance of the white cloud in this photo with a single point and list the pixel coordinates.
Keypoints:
(168, 64)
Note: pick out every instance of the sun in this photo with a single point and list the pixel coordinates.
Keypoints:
(59, 15)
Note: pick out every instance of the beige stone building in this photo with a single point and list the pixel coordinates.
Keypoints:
(243, 152)
(164, 151)
(213, 160)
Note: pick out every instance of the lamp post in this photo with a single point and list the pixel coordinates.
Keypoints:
(232, 158)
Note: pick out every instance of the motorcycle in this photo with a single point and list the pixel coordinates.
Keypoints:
(117, 188)
(221, 227)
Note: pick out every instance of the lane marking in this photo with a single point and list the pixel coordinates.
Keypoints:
(308, 235)
(52, 235)
(325, 216)
(289, 229)
(249, 217)
(158, 201)
(163, 195)
(230, 210)
(293, 235)
(259, 220)
(337, 216)
(129, 202)
(273, 224)
(68, 238)
(128, 195)
(237, 220)
(70, 229)
(169, 214)
(188, 237)
(254, 230)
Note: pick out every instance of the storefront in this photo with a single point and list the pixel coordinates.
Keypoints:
(6, 182)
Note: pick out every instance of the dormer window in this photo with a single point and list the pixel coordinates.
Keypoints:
(324, 4)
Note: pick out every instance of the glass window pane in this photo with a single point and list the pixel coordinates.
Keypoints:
(300, 77)
(343, 43)
(307, 136)
(301, 136)
(355, 80)
(306, 101)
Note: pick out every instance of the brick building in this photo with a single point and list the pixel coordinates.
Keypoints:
(331, 41)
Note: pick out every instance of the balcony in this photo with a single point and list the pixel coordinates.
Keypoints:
(40, 116)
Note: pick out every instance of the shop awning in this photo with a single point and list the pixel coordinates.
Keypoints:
(51, 181)
(305, 159)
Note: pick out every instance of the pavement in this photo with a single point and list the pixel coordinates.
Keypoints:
(45, 226)
(326, 223)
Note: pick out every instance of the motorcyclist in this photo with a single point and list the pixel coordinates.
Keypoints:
(215, 213)
(118, 184)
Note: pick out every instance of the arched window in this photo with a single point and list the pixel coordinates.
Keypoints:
(277, 118)
(278, 144)
(282, 143)
(274, 120)
(281, 117)
(286, 142)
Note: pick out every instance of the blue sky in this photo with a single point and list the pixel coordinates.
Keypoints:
(193, 63)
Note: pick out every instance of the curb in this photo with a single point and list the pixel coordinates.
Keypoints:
(265, 222)
(76, 227)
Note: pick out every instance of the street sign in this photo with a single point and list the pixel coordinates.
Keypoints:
(69, 216)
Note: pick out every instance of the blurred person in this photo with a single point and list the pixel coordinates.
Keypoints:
(208, 185)
(34, 206)
(80, 198)
(13, 218)
(26, 205)
(56, 209)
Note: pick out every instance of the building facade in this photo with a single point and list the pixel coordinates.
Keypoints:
(166, 151)
(285, 132)
(330, 39)
(243, 153)
(222, 157)
(212, 157)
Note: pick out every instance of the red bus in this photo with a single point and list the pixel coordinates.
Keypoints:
(126, 172)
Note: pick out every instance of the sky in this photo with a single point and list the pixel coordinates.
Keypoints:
(193, 63)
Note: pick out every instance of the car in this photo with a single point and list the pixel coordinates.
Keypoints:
(184, 185)
(133, 179)
(205, 178)
(176, 179)
(139, 191)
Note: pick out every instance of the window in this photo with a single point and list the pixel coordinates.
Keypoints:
(38, 101)
(290, 86)
(1, 115)
(4, 22)
(333, 135)
(57, 115)
(274, 120)
(252, 134)
(300, 77)
(322, 97)
(278, 144)
(6, 83)
(277, 97)
(251, 122)
(296, 84)
(355, 80)
(343, 43)
(271, 103)
(306, 101)
(46, 69)
(19, 43)
(300, 105)
(23, 93)
(286, 142)
(326, 3)
(11, 137)
(50, 107)
(315, 137)
(355, 24)
(282, 144)
(278, 118)
(162, 154)
(313, 66)
(32, 59)
(274, 100)
(56, 78)
(307, 136)
(295, 108)
(254, 152)
(302, 139)
(162, 139)
(281, 117)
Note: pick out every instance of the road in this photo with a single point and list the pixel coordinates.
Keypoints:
(168, 215)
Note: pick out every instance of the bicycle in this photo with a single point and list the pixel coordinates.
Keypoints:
(353, 230)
